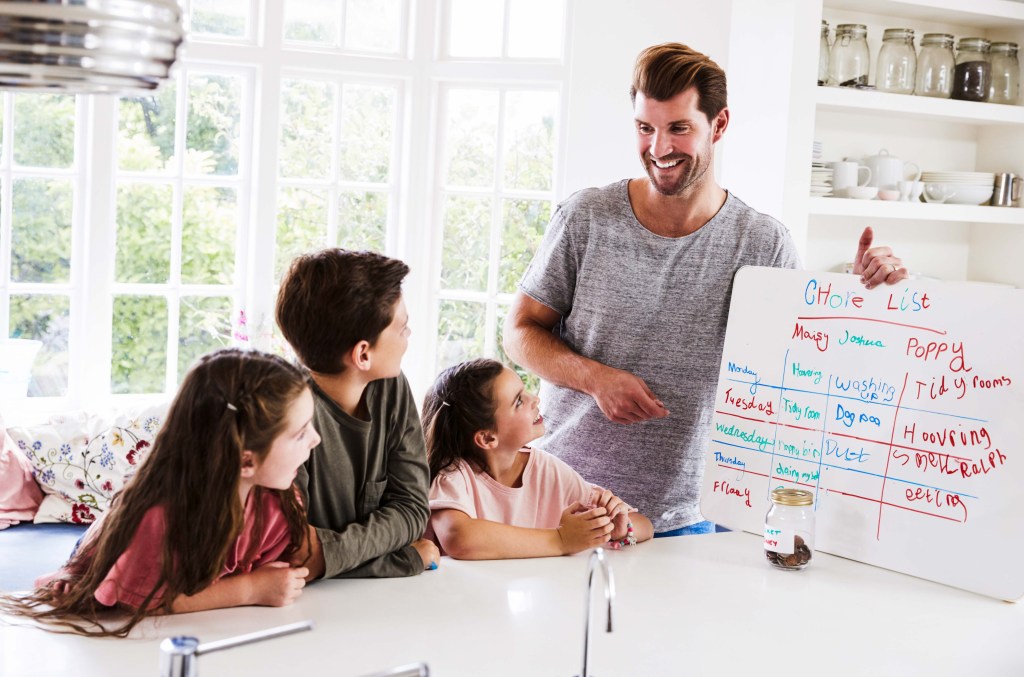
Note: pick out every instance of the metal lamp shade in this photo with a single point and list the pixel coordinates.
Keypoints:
(88, 46)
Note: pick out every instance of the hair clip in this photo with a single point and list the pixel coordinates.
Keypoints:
(232, 407)
(445, 404)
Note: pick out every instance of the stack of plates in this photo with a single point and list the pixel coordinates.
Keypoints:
(88, 45)
(969, 178)
(816, 153)
(821, 180)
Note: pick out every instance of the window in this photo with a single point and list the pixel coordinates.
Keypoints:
(137, 233)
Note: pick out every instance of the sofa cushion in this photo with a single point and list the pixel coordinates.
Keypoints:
(81, 460)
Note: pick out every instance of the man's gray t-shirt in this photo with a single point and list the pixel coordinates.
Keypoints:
(656, 307)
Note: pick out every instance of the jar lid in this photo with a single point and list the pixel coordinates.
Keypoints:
(937, 39)
(854, 30)
(898, 34)
(1008, 47)
(783, 496)
(974, 44)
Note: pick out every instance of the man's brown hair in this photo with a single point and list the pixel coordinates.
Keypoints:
(663, 71)
(332, 299)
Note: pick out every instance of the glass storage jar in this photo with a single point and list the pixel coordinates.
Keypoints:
(1005, 86)
(823, 49)
(897, 62)
(935, 66)
(789, 529)
(849, 60)
(972, 76)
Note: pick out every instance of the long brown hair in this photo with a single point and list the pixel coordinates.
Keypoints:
(459, 403)
(230, 401)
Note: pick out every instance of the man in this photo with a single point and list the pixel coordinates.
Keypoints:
(623, 310)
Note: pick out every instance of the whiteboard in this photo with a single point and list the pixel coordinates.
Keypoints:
(901, 408)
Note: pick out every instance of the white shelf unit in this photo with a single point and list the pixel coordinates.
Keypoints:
(953, 242)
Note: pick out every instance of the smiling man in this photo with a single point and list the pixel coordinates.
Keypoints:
(623, 310)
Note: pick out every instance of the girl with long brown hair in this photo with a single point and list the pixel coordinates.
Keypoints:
(211, 519)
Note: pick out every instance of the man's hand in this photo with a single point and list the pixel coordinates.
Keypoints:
(876, 265)
(625, 398)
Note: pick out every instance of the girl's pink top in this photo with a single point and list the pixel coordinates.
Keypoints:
(136, 571)
(549, 487)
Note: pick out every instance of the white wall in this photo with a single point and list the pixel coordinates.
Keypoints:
(606, 36)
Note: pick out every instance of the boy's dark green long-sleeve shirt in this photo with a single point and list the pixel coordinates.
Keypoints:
(365, 485)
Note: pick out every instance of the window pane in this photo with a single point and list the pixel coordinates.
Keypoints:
(367, 119)
(204, 324)
(306, 129)
(44, 130)
(460, 332)
(532, 381)
(46, 318)
(143, 249)
(214, 119)
(529, 139)
(475, 28)
(301, 224)
(208, 235)
(524, 222)
(315, 21)
(219, 17)
(139, 346)
(373, 25)
(467, 237)
(145, 139)
(362, 220)
(535, 29)
(471, 137)
(41, 231)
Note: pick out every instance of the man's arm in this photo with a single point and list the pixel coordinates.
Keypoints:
(622, 397)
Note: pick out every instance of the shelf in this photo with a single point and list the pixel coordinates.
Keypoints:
(976, 13)
(884, 104)
(910, 211)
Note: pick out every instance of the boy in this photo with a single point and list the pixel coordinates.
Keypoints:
(365, 486)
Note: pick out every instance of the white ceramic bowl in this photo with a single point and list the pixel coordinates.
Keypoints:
(887, 194)
(862, 192)
(965, 194)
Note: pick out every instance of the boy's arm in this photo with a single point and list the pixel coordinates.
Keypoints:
(380, 544)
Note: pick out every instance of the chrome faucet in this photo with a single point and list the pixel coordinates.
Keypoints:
(179, 655)
(597, 557)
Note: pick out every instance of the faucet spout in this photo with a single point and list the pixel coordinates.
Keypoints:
(597, 559)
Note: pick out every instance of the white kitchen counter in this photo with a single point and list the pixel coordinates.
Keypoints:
(695, 605)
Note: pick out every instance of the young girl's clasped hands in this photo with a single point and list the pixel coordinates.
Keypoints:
(491, 496)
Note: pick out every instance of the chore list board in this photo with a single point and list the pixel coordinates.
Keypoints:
(901, 408)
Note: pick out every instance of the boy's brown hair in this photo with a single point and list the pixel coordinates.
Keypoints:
(663, 71)
(332, 299)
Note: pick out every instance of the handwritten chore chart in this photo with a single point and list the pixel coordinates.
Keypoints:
(901, 408)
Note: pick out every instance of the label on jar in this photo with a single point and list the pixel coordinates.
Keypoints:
(778, 540)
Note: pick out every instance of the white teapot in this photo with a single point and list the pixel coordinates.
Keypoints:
(887, 170)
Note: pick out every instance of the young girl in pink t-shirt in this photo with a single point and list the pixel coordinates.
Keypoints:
(492, 497)
(211, 519)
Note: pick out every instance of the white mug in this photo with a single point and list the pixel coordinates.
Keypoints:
(846, 175)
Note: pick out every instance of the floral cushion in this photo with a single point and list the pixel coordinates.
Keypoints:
(80, 460)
